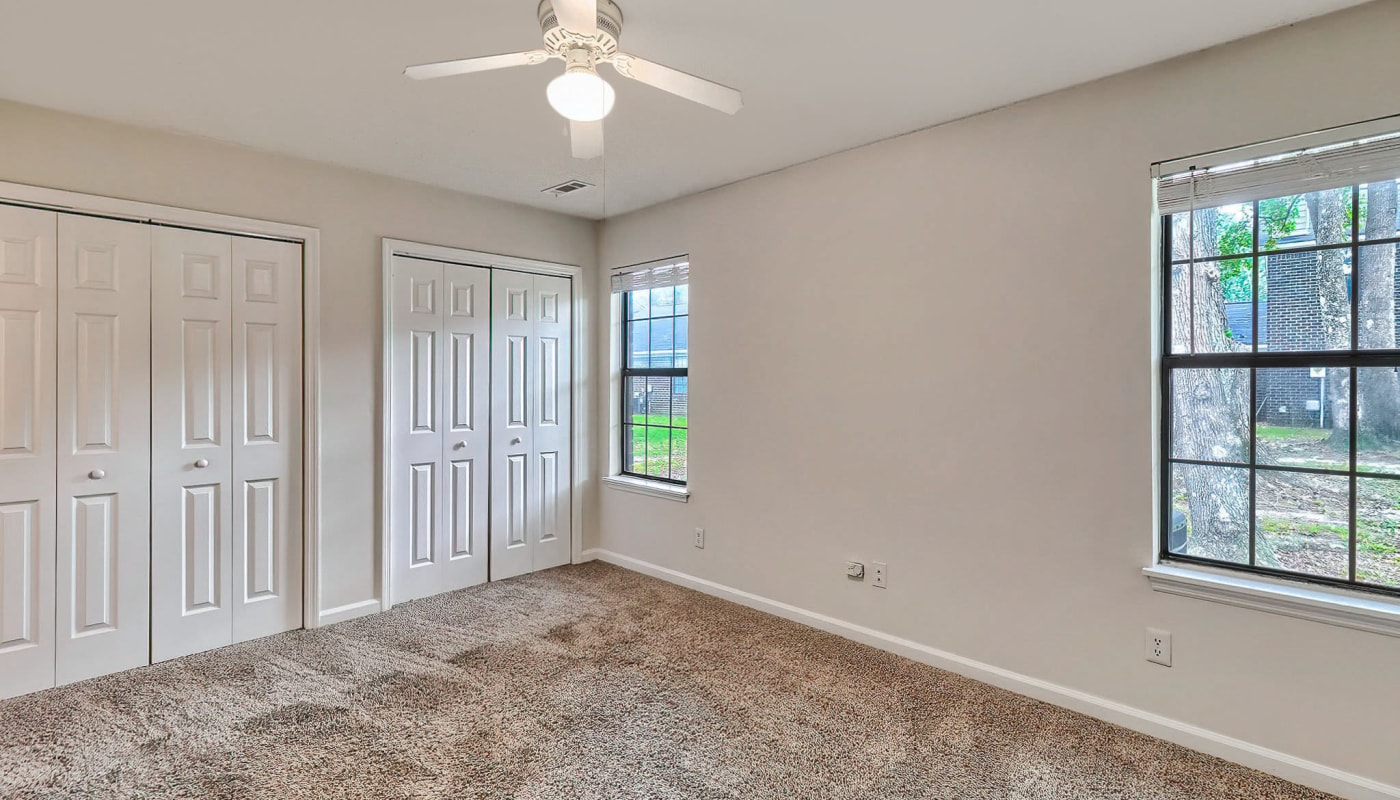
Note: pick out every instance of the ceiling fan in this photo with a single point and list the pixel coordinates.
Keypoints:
(584, 34)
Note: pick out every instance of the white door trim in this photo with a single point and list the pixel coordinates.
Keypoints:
(20, 194)
(474, 258)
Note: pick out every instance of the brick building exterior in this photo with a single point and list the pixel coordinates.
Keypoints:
(1288, 321)
(1293, 396)
(654, 397)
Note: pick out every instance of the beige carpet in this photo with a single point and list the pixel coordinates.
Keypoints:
(582, 682)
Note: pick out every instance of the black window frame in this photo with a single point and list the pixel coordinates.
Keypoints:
(629, 372)
(1255, 359)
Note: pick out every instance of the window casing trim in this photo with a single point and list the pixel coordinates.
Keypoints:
(1345, 607)
(648, 486)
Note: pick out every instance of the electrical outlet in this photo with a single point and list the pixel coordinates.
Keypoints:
(1159, 647)
(700, 538)
(880, 573)
(855, 570)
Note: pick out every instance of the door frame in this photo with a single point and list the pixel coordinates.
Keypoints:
(66, 202)
(475, 258)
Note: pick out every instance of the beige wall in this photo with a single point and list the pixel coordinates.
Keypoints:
(353, 210)
(935, 351)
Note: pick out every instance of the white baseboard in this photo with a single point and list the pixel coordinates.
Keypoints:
(350, 611)
(1307, 773)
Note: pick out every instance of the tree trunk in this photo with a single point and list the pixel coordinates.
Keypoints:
(1203, 426)
(1378, 389)
(1327, 211)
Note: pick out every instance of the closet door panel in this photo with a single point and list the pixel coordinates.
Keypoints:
(104, 467)
(416, 420)
(192, 451)
(551, 496)
(514, 473)
(267, 438)
(466, 443)
(28, 449)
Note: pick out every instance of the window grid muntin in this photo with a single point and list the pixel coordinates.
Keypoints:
(647, 373)
(1254, 359)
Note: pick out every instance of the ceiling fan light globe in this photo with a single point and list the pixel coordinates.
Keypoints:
(581, 96)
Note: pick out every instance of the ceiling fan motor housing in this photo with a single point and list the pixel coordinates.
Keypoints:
(559, 41)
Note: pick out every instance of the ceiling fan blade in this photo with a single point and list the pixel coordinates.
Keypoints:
(699, 90)
(586, 139)
(443, 69)
(579, 16)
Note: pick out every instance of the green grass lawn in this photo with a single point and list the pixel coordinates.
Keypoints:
(1309, 447)
(663, 451)
(1371, 537)
(659, 419)
(1275, 525)
(1277, 433)
(1298, 523)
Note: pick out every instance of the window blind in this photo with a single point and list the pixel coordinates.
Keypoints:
(652, 275)
(1295, 166)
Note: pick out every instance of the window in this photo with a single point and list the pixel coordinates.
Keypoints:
(655, 356)
(1280, 433)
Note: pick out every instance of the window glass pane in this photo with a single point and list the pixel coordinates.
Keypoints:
(1237, 293)
(680, 402)
(1210, 414)
(1287, 222)
(639, 344)
(1181, 308)
(634, 439)
(1378, 423)
(637, 400)
(663, 339)
(1221, 231)
(1306, 301)
(656, 407)
(1295, 424)
(683, 341)
(679, 440)
(1376, 305)
(1181, 236)
(1215, 312)
(659, 401)
(659, 452)
(1210, 511)
(663, 302)
(1378, 531)
(1301, 521)
(1379, 211)
(639, 305)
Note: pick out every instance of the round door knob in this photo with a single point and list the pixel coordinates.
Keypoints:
(201, 464)
(97, 474)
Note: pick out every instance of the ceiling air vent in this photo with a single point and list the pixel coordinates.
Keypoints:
(568, 187)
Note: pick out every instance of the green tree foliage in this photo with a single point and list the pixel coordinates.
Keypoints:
(1278, 218)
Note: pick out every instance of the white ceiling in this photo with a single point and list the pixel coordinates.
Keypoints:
(321, 78)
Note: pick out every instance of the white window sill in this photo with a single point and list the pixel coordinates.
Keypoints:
(1348, 609)
(666, 491)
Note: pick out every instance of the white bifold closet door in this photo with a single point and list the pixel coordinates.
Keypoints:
(438, 418)
(531, 422)
(28, 449)
(226, 534)
(74, 448)
(104, 447)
